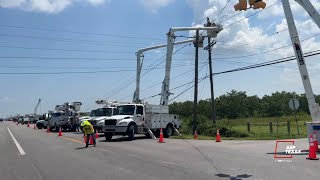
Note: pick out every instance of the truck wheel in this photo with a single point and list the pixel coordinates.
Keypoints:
(168, 131)
(108, 136)
(39, 126)
(131, 132)
(56, 129)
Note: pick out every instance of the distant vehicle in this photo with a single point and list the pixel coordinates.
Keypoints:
(20, 119)
(43, 121)
(64, 116)
(25, 120)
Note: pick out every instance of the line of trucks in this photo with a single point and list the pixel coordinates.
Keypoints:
(115, 118)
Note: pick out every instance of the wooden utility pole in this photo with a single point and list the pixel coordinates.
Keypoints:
(209, 48)
(195, 99)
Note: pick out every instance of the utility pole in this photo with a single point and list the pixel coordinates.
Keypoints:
(195, 99)
(213, 111)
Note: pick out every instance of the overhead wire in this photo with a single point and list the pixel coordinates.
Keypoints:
(130, 81)
(78, 32)
(258, 65)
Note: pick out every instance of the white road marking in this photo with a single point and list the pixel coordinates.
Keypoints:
(17, 144)
(167, 162)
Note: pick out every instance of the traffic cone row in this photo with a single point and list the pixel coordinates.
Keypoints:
(312, 150)
(218, 138)
(161, 140)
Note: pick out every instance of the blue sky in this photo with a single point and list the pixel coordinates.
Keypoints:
(103, 35)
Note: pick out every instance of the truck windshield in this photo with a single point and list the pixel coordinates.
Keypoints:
(125, 110)
(101, 112)
(56, 114)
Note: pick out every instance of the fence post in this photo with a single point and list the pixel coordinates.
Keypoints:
(248, 125)
(288, 126)
(271, 130)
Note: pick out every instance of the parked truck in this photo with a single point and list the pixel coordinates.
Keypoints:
(64, 116)
(137, 118)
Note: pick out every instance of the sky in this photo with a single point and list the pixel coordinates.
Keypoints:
(84, 50)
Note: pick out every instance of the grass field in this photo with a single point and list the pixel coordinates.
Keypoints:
(260, 128)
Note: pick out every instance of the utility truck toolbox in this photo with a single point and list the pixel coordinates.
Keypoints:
(157, 109)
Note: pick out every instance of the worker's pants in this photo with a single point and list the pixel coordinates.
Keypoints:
(88, 139)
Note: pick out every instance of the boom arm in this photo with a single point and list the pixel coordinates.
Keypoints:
(313, 106)
(139, 54)
(36, 108)
(211, 31)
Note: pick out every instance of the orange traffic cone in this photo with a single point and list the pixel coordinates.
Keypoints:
(17, 123)
(48, 129)
(85, 139)
(161, 140)
(60, 132)
(97, 135)
(91, 140)
(315, 141)
(312, 150)
(218, 138)
(195, 136)
(34, 126)
(28, 124)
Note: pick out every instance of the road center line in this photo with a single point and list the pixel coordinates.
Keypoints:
(17, 144)
(73, 140)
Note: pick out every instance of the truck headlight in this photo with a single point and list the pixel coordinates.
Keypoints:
(123, 123)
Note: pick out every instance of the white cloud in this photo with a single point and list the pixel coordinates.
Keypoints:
(155, 5)
(3, 99)
(277, 10)
(47, 6)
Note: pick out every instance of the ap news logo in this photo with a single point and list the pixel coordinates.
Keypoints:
(285, 150)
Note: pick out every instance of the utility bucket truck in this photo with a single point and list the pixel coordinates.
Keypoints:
(64, 116)
(98, 116)
(137, 118)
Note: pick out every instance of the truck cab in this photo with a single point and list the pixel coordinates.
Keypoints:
(131, 119)
(100, 115)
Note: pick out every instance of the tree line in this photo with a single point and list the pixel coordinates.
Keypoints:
(237, 104)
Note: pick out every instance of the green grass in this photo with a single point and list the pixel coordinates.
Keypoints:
(261, 131)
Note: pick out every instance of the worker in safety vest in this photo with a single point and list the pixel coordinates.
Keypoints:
(88, 131)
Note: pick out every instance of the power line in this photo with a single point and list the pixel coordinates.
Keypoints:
(264, 52)
(77, 32)
(131, 80)
(250, 15)
(267, 63)
(66, 40)
(222, 9)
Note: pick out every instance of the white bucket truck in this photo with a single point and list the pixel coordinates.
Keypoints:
(135, 118)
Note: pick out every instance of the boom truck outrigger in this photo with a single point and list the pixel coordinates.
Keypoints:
(143, 118)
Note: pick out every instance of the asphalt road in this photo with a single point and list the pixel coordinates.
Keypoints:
(49, 157)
